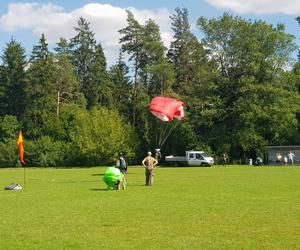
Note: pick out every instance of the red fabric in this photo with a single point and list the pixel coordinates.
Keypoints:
(166, 108)
(21, 149)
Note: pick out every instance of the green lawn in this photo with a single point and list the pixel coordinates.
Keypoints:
(187, 208)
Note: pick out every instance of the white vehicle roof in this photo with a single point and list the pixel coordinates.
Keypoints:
(192, 151)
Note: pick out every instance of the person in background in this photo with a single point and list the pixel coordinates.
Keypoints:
(157, 154)
(122, 165)
(258, 161)
(285, 160)
(291, 157)
(278, 158)
(224, 159)
(149, 163)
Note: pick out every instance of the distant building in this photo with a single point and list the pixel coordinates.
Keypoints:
(283, 150)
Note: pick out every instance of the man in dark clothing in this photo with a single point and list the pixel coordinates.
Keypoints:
(157, 154)
(224, 159)
(122, 165)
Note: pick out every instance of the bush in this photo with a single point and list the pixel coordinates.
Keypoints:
(9, 153)
(98, 135)
(45, 152)
(9, 127)
(82, 138)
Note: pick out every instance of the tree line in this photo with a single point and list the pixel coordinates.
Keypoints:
(239, 82)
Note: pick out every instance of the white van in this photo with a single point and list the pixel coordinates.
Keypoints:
(191, 158)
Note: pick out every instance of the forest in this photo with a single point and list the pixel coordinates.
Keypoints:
(239, 83)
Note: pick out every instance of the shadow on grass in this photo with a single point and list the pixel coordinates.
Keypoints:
(136, 185)
(99, 189)
(103, 174)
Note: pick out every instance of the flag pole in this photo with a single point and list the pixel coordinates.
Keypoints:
(24, 175)
(21, 153)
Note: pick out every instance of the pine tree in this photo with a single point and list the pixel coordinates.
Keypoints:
(153, 60)
(3, 87)
(99, 91)
(82, 48)
(65, 83)
(152, 74)
(40, 89)
(63, 48)
(132, 42)
(13, 79)
(182, 48)
(122, 87)
(90, 66)
(298, 20)
(41, 50)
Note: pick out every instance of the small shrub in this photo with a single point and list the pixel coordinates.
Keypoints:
(45, 152)
(9, 127)
(9, 153)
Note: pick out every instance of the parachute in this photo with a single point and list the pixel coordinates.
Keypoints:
(166, 109)
(112, 176)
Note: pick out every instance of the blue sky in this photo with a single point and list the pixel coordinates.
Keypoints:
(25, 20)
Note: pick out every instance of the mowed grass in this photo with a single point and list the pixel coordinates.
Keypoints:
(187, 208)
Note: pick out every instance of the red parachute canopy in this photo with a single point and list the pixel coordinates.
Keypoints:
(166, 108)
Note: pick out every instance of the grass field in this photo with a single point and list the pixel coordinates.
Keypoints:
(187, 208)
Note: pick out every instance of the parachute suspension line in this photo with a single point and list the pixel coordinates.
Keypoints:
(166, 108)
(160, 135)
(157, 138)
(163, 133)
(168, 134)
(165, 129)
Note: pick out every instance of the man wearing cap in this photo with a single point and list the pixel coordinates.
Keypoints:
(122, 165)
(149, 162)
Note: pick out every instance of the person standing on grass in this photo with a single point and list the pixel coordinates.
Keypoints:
(224, 159)
(291, 157)
(122, 165)
(278, 158)
(157, 154)
(285, 159)
(149, 163)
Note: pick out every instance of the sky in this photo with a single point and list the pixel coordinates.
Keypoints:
(25, 20)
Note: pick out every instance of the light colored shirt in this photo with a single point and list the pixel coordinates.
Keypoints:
(291, 156)
(149, 162)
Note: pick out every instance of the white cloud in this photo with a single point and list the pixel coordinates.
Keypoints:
(289, 7)
(105, 22)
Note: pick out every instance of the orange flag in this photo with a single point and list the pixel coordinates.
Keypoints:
(21, 149)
